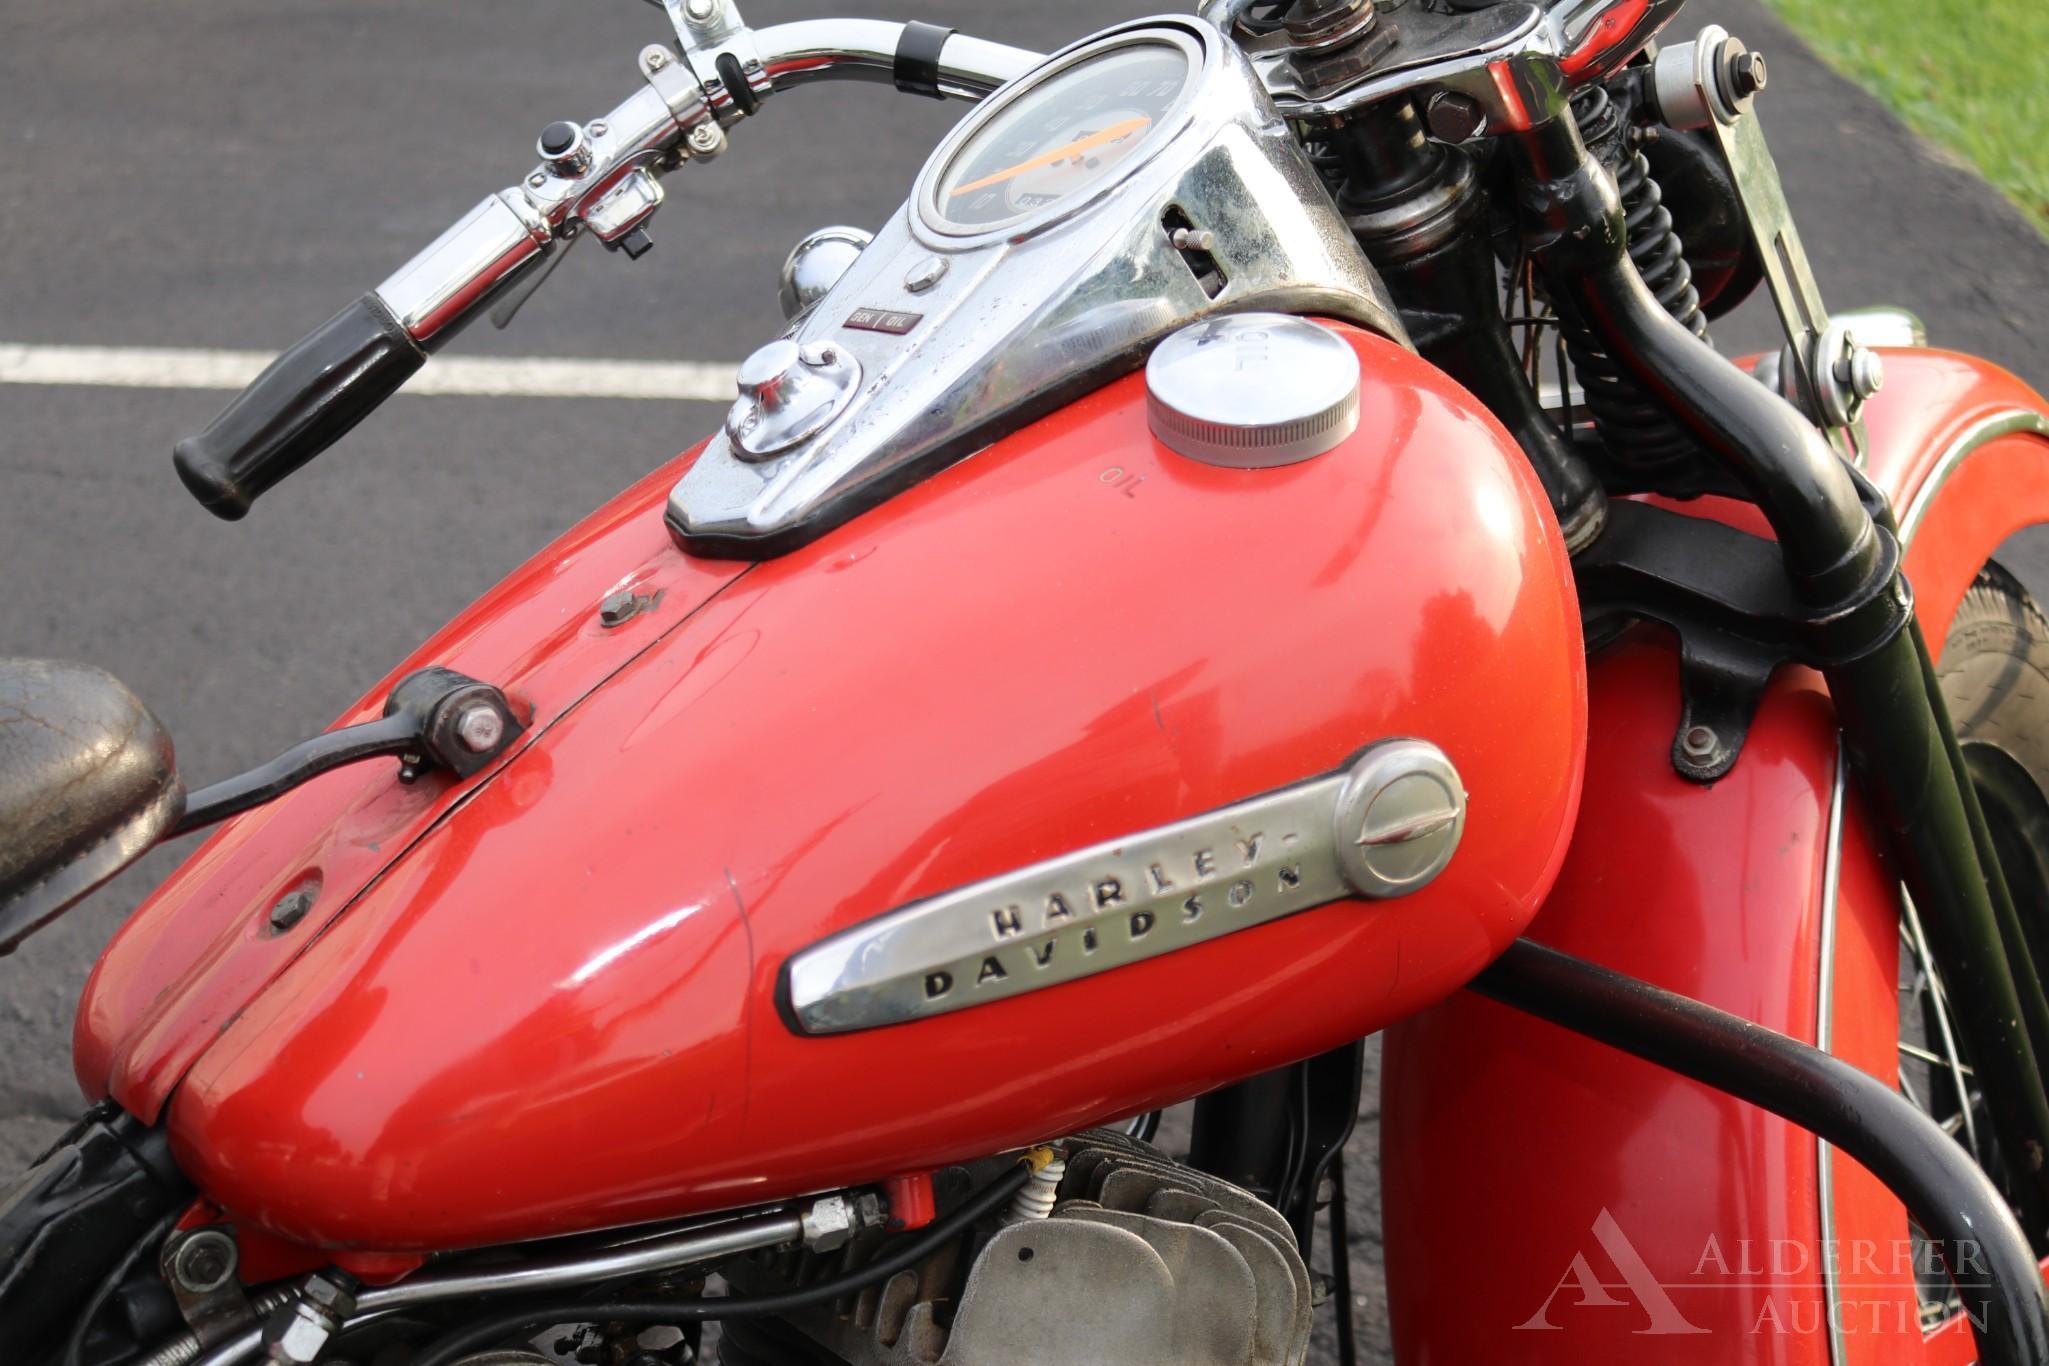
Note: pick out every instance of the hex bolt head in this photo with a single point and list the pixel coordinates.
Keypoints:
(701, 11)
(829, 1224)
(1455, 118)
(290, 909)
(1311, 19)
(618, 608)
(479, 727)
(1700, 743)
(204, 1261)
(1746, 74)
(298, 1331)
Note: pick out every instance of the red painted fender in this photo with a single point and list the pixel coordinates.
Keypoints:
(1557, 1201)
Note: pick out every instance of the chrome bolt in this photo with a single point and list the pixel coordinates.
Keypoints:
(707, 140)
(299, 1330)
(829, 1224)
(1700, 743)
(1193, 239)
(600, 128)
(701, 11)
(1861, 370)
(654, 57)
(537, 180)
(204, 1260)
(479, 727)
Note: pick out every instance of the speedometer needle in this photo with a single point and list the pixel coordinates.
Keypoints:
(1116, 132)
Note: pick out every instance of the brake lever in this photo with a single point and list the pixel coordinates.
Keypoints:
(515, 297)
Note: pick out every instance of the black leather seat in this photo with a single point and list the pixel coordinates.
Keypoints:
(87, 784)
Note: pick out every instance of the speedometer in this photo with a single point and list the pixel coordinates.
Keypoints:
(1060, 134)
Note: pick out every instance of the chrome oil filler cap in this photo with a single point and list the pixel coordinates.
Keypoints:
(790, 393)
(1252, 390)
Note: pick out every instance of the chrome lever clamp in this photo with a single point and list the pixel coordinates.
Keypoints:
(723, 55)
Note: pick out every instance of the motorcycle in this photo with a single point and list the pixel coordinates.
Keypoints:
(1149, 623)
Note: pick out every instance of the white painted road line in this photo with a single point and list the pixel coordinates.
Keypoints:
(142, 367)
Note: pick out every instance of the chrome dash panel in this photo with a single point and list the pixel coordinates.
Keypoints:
(986, 332)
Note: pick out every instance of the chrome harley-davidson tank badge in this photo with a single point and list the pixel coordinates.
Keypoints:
(1384, 827)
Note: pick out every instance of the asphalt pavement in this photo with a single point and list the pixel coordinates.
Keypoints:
(228, 174)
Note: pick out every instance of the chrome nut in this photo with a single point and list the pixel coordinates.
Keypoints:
(296, 1333)
(302, 1336)
(829, 1224)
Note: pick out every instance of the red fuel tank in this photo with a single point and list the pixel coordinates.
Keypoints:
(557, 997)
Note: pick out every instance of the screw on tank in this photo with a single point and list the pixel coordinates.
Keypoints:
(1252, 390)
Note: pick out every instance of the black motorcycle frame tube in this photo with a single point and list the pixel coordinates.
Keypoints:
(1843, 566)
(1953, 1200)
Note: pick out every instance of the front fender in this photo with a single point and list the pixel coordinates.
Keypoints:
(1589, 1201)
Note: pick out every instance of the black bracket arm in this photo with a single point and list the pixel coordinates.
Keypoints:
(1724, 593)
(434, 718)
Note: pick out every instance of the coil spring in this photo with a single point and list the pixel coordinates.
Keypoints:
(1638, 433)
(1035, 1201)
(1330, 167)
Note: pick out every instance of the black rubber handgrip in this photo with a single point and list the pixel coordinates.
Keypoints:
(303, 402)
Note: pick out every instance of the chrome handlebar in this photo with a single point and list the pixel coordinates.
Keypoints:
(608, 182)
(601, 180)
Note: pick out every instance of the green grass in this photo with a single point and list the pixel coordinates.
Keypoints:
(1969, 75)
